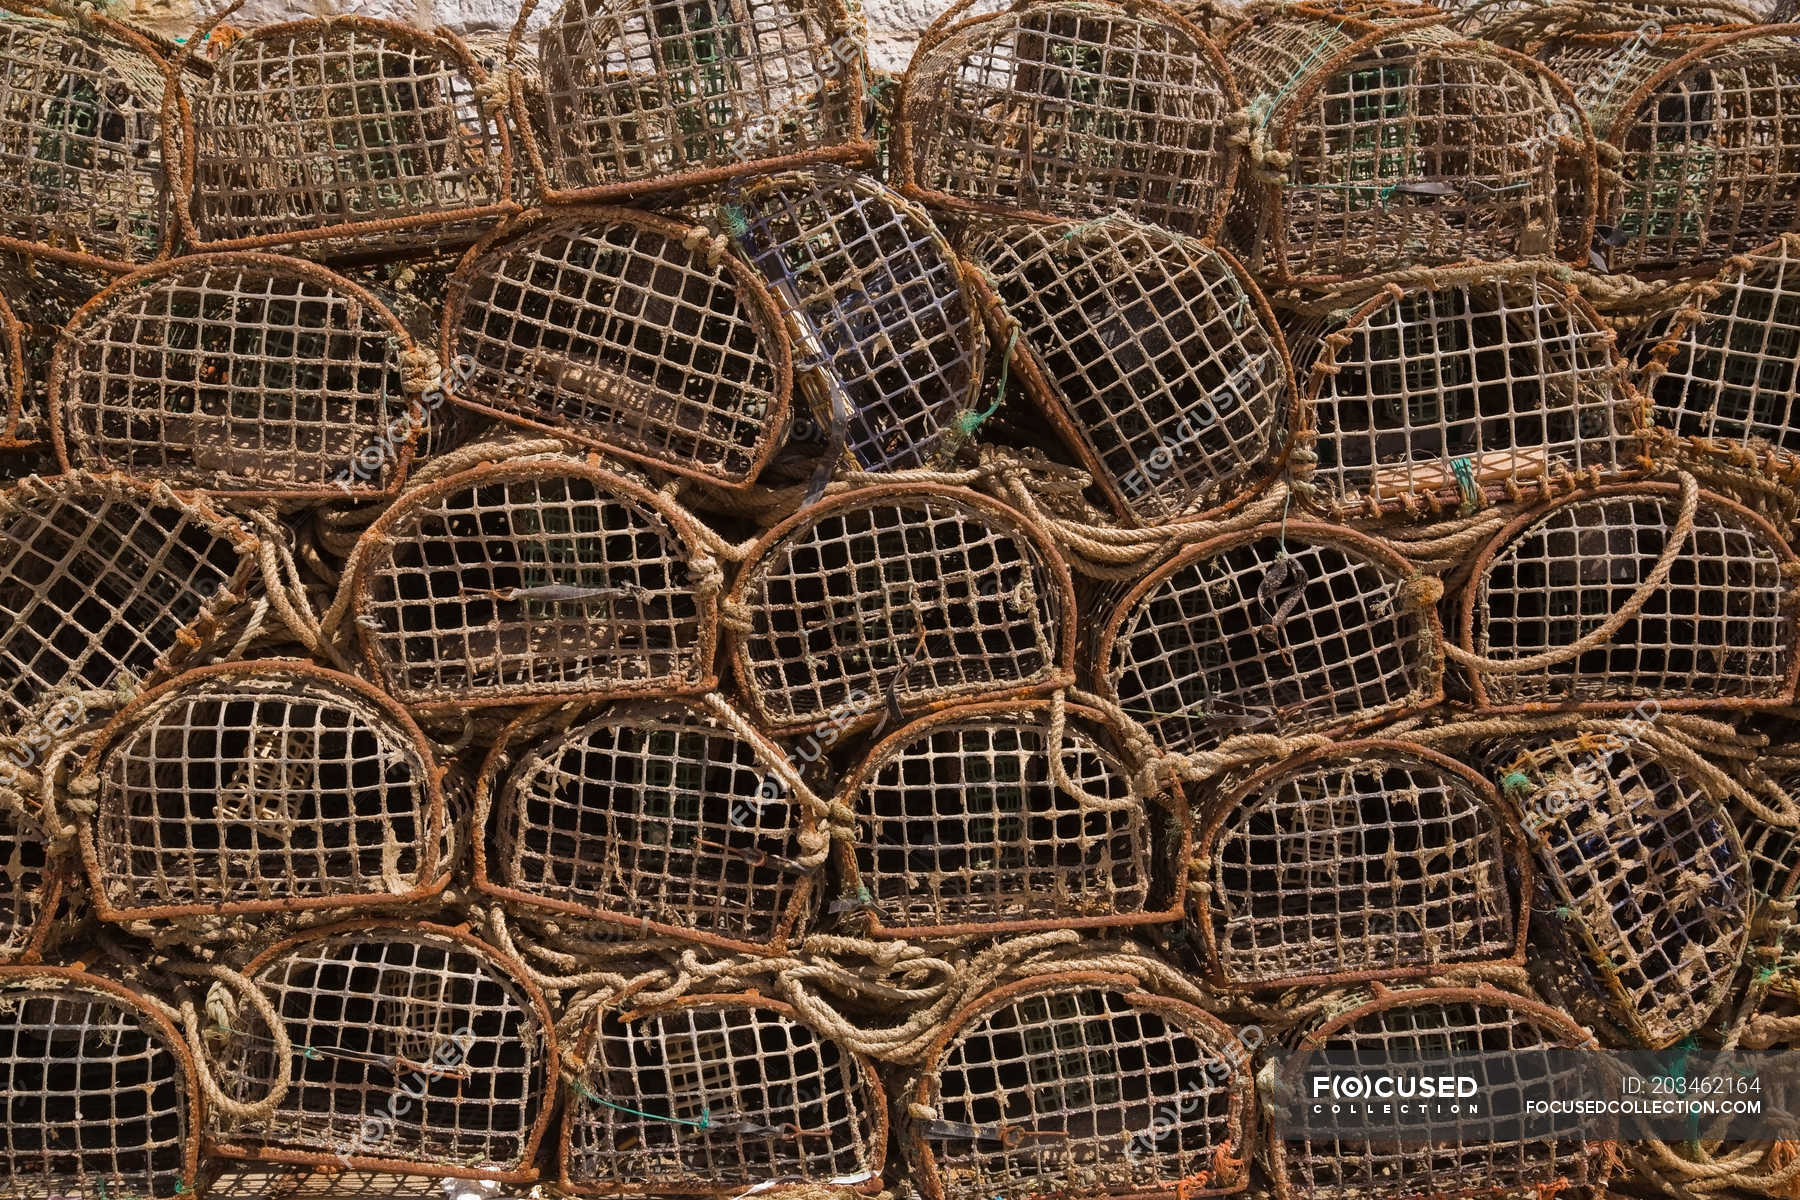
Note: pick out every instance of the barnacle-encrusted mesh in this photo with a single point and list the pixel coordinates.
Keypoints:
(258, 788)
(1302, 628)
(31, 880)
(1707, 131)
(898, 596)
(16, 429)
(107, 583)
(358, 135)
(1070, 108)
(374, 1008)
(1369, 860)
(1517, 1050)
(647, 94)
(1080, 1084)
(960, 826)
(1153, 354)
(625, 331)
(100, 1091)
(655, 816)
(239, 373)
(1728, 370)
(1645, 886)
(1719, 627)
(879, 305)
(534, 579)
(1499, 381)
(1387, 146)
(81, 169)
(714, 1094)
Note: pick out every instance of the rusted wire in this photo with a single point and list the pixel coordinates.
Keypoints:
(18, 429)
(32, 881)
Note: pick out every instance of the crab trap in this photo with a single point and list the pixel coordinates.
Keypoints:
(106, 583)
(1622, 594)
(416, 1049)
(658, 817)
(17, 429)
(32, 879)
(642, 95)
(709, 1095)
(1069, 108)
(244, 374)
(890, 338)
(1155, 356)
(1517, 1050)
(82, 177)
(1498, 384)
(101, 1098)
(532, 580)
(964, 828)
(898, 598)
(1080, 1083)
(1366, 860)
(261, 787)
(345, 136)
(627, 332)
(1381, 144)
(1295, 627)
(1644, 888)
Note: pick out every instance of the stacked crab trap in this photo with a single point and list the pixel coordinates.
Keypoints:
(675, 603)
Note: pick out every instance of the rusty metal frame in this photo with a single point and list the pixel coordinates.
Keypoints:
(54, 879)
(12, 380)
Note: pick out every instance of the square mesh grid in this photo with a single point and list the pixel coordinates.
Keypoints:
(1461, 395)
(1374, 859)
(1720, 628)
(531, 579)
(903, 596)
(649, 813)
(1307, 630)
(959, 824)
(1648, 882)
(655, 93)
(618, 330)
(880, 303)
(99, 580)
(347, 125)
(1056, 109)
(394, 1012)
(719, 1093)
(31, 880)
(100, 1095)
(1153, 353)
(244, 789)
(239, 373)
(1056, 1090)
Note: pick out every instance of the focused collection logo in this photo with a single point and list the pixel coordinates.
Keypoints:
(1357, 1094)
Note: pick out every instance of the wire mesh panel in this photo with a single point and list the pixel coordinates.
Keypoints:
(81, 170)
(880, 308)
(1279, 629)
(901, 598)
(1154, 355)
(1383, 144)
(1490, 388)
(107, 583)
(1727, 374)
(648, 94)
(1080, 1084)
(533, 580)
(355, 135)
(1645, 890)
(260, 788)
(31, 881)
(1369, 860)
(627, 332)
(714, 1094)
(655, 816)
(416, 1049)
(963, 830)
(1517, 1051)
(1609, 598)
(17, 430)
(100, 1091)
(241, 373)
